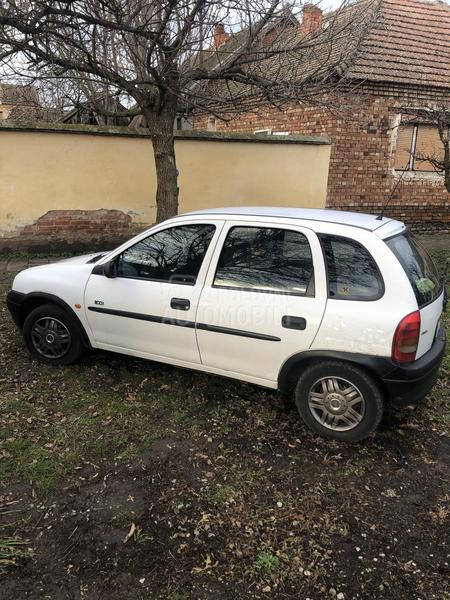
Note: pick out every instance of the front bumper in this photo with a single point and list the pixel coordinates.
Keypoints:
(14, 302)
(408, 384)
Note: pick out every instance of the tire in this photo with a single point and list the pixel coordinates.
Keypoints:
(52, 335)
(339, 401)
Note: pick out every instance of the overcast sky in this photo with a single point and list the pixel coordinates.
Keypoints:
(327, 4)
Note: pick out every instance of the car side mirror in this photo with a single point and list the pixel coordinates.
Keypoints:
(110, 269)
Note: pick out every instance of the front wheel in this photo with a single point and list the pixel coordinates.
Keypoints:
(339, 401)
(52, 335)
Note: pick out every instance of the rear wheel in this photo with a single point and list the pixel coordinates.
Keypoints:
(52, 335)
(339, 401)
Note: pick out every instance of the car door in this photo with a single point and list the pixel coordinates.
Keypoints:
(263, 299)
(148, 307)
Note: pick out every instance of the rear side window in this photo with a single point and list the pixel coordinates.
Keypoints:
(352, 272)
(418, 266)
(266, 259)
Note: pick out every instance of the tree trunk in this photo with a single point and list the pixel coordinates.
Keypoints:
(166, 175)
(161, 130)
(447, 165)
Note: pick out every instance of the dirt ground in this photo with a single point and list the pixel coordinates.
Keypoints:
(122, 479)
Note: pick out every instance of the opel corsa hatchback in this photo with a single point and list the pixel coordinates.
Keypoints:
(341, 309)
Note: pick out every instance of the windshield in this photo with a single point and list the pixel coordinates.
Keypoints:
(418, 266)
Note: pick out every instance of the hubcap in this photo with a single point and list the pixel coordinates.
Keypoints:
(336, 403)
(50, 337)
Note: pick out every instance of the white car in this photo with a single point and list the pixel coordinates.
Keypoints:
(342, 309)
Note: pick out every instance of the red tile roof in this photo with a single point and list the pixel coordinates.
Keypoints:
(392, 41)
(18, 94)
(409, 42)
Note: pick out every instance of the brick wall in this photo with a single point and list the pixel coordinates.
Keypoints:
(362, 129)
(62, 230)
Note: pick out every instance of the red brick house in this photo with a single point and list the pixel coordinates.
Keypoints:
(402, 62)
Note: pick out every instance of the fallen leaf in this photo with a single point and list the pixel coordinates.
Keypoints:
(130, 533)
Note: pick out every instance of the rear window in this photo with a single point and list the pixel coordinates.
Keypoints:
(418, 266)
(352, 272)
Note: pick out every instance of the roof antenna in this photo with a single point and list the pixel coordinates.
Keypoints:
(394, 189)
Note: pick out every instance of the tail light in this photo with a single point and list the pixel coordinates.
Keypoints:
(406, 339)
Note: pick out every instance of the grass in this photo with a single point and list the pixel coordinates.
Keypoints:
(12, 551)
(267, 563)
(221, 495)
(52, 420)
(440, 254)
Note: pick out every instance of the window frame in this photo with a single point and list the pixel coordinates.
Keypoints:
(311, 288)
(410, 167)
(349, 298)
(216, 231)
(211, 124)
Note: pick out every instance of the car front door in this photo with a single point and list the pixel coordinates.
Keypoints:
(147, 307)
(263, 299)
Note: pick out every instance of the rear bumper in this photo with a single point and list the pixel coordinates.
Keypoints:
(14, 302)
(408, 384)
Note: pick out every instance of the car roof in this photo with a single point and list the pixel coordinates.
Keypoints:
(325, 215)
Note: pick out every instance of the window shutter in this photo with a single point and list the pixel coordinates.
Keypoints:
(428, 144)
(403, 149)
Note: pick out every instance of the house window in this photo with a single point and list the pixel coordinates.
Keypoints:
(416, 141)
(211, 124)
(428, 143)
(183, 123)
(269, 131)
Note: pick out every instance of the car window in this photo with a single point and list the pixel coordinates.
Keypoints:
(174, 254)
(418, 266)
(351, 270)
(266, 259)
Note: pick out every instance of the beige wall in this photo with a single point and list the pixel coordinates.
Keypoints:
(42, 171)
(214, 174)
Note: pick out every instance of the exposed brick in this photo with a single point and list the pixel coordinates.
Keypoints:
(361, 176)
(73, 228)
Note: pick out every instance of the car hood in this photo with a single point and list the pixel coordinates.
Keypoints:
(85, 258)
(57, 277)
(73, 261)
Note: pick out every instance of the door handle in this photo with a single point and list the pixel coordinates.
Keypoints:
(180, 303)
(293, 322)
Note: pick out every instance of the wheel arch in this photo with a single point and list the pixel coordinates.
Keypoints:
(377, 366)
(35, 299)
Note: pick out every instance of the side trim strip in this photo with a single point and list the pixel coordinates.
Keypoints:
(183, 323)
(142, 317)
(240, 332)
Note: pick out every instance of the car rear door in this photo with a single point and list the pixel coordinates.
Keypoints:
(263, 299)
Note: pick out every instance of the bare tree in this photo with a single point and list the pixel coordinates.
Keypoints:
(27, 103)
(162, 56)
(439, 157)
